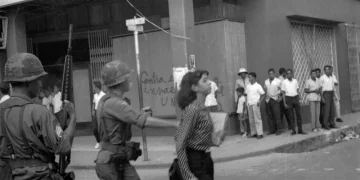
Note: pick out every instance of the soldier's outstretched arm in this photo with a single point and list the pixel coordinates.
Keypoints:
(156, 122)
(123, 112)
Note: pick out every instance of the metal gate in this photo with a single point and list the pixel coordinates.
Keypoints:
(100, 48)
(313, 47)
(353, 39)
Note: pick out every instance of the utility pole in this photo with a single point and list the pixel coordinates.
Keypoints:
(135, 25)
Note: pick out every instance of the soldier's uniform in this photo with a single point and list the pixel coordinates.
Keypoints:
(114, 116)
(30, 135)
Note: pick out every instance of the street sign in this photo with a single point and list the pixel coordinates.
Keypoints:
(136, 28)
(136, 21)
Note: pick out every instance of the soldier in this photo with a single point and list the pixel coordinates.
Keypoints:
(114, 116)
(30, 135)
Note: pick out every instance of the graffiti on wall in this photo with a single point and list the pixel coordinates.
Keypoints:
(159, 87)
(162, 90)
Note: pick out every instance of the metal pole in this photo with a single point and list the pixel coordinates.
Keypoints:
(143, 133)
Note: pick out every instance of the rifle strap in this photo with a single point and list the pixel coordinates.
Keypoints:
(4, 132)
(26, 146)
(102, 123)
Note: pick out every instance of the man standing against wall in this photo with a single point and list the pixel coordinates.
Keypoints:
(327, 84)
(282, 77)
(321, 118)
(272, 89)
(255, 96)
(291, 96)
(242, 82)
(336, 99)
(98, 94)
(210, 101)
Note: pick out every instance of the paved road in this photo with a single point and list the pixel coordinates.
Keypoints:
(338, 162)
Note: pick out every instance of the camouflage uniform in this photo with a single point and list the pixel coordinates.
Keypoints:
(30, 135)
(114, 116)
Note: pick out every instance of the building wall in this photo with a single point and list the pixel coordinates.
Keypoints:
(268, 34)
(219, 48)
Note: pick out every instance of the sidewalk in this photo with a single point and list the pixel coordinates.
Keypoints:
(161, 150)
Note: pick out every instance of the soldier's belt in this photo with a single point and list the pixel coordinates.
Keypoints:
(113, 148)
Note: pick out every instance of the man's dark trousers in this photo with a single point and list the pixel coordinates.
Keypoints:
(328, 109)
(294, 104)
(283, 112)
(95, 128)
(273, 115)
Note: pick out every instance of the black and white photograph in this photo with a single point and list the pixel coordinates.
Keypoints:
(179, 89)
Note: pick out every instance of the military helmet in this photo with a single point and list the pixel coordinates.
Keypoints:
(114, 73)
(23, 67)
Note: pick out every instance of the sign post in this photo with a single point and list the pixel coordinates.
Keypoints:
(135, 25)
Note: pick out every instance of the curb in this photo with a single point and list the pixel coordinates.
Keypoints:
(309, 144)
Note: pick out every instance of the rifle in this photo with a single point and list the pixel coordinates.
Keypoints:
(66, 90)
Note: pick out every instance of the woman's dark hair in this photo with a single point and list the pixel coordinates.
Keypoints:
(186, 95)
(318, 70)
(313, 71)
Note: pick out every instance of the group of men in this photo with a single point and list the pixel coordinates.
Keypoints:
(282, 99)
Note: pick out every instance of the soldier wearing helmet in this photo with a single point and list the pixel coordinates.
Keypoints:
(30, 135)
(114, 116)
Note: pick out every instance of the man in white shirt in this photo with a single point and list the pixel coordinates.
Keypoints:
(336, 99)
(5, 91)
(56, 100)
(328, 86)
(46, 101)
(313, 90)
(318, 75)
(242, 82)
(210, 100)
(282, 77)
(98, 94)
(290, 91)
(272, 89)
(255, 96)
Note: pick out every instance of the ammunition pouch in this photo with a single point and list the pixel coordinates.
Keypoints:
(130, 152)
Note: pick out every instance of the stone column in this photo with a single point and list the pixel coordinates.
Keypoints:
(181, 14)
(16, 37)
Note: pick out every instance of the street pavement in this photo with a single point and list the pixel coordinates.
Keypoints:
(336, 162)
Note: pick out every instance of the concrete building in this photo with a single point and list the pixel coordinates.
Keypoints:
(224, 35)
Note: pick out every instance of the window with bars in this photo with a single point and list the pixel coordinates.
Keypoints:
(100, 49)
(313, 47)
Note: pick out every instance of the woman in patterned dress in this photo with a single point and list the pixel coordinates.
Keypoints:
(193, 137)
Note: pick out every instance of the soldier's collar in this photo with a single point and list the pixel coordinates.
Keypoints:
(17, 99)
(22, 96)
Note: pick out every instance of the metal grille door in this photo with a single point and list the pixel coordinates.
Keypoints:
(353, 39)
(100, 47)
(313, 47)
